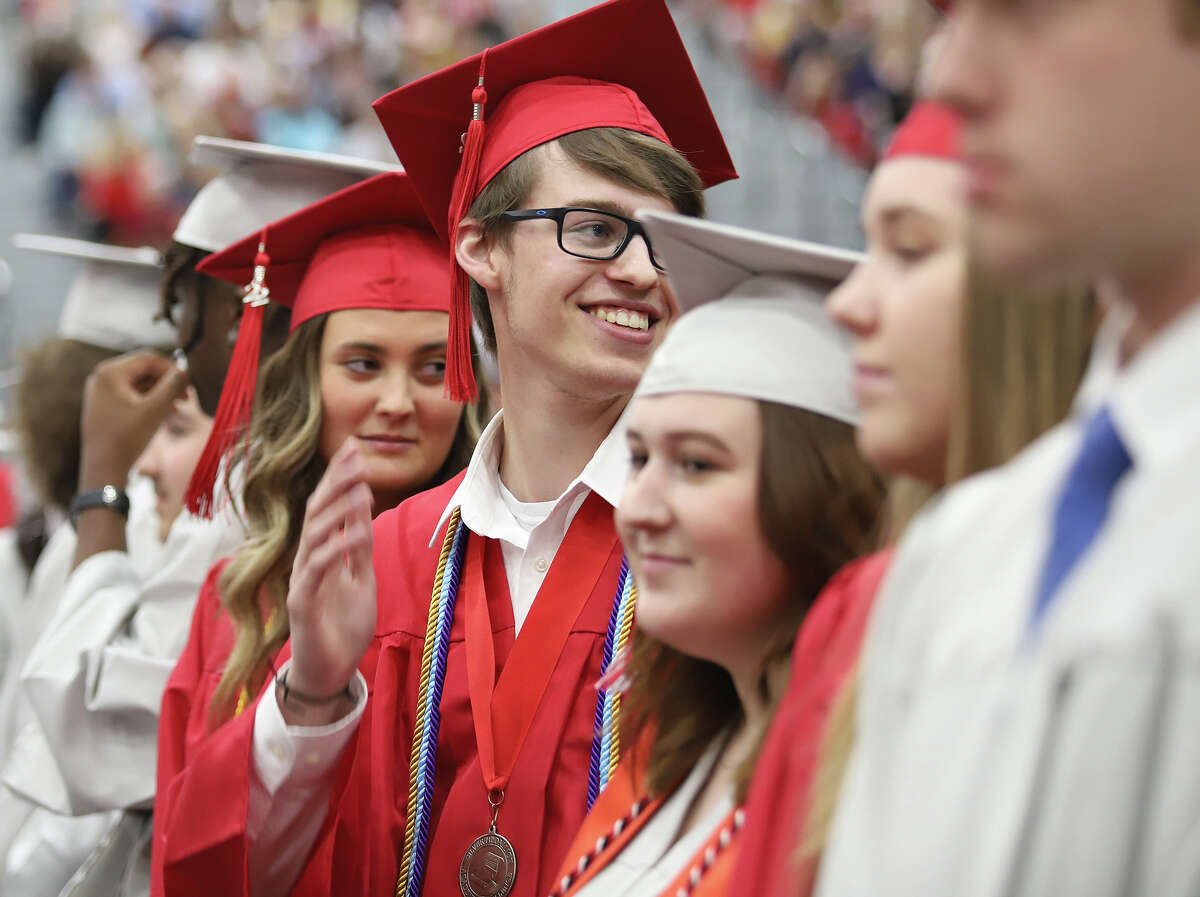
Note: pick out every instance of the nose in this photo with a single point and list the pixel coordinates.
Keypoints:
(960, 71)
(396, 397)
(853, 305)
(149, 463)
(644, 504)
(633, 265)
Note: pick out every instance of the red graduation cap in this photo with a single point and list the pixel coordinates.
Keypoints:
(367, 246)
(621, 64)
(930, 129)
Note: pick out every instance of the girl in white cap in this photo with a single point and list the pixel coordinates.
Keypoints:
(746, 495)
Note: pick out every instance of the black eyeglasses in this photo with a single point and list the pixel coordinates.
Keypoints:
(589, 233)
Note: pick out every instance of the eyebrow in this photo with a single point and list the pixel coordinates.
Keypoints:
(363, 346)
(896, 214)
(681, 435)
(603, 205)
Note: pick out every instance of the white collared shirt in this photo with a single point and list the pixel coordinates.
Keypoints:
(993, 760)
(285, 794)
(530, 533)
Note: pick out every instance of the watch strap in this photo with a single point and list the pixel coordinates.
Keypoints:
(109, 497)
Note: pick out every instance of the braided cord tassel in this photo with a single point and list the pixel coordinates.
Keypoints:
(606, 747)
(429, 696)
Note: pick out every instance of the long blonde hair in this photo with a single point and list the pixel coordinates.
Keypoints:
(283, 467)
(1024, 351)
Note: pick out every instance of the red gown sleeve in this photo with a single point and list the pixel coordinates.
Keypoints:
(826, 651)
(200, 843)
(182, 694)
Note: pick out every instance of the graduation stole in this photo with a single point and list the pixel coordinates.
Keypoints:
(606, 746)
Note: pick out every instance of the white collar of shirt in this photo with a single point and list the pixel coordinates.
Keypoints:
(481, 501)
(1153, 398)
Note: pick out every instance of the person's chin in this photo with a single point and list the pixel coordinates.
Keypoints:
(1011, 245)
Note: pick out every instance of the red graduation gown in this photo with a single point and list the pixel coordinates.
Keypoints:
(826, 651)
(204, 845)
(183, 719)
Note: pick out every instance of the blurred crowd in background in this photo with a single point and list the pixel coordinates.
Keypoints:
(113, 91)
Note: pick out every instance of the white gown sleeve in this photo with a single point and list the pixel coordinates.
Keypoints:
(293, 769)
(95, 677)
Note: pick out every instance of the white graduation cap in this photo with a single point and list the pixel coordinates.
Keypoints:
(259, 184)
(754, 322)
(114, 300)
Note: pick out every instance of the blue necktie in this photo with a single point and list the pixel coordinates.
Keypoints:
(1082, 505)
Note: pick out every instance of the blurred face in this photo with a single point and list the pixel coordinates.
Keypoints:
(708, 583)
(171, 456)
(1080, 133)
(381, 384)
(206, 319)
(551, 310)
(903, 307)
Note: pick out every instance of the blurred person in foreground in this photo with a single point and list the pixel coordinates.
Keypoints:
(1029, 700)
(955, 373)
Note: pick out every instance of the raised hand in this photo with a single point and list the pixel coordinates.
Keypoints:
(124, 401)
(331, 597)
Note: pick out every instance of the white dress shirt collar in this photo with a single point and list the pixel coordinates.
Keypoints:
(1153, 398)
(482, 506)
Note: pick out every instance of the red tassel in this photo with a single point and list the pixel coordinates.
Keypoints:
(234, 411)
(460, 376)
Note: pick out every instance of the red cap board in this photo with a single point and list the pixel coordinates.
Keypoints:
(621, 64)
(367, 246)
(930, 129)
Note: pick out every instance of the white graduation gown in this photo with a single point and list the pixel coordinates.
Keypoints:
(992, 761)
(93, 683)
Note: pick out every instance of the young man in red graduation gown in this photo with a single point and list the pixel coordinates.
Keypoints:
(493, 603)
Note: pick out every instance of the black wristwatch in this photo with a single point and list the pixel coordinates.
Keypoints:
(108, 497)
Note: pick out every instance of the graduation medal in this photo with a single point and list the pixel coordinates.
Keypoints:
(489, 866)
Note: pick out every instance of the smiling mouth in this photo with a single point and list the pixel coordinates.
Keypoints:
(622, 317)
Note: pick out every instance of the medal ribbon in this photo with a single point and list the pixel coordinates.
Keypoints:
(503, 709)
(605, 747)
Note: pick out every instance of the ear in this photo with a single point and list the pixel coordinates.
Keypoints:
(474, 253)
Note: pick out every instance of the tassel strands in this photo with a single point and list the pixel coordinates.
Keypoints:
(460, 377)
(237, 398)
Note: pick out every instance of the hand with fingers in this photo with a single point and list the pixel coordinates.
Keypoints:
(124, 402)
(331, 596)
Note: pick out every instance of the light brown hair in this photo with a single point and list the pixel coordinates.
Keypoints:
(49, 402)
(626, 157)
(818, 504)
(283, 467)
(1024, 351)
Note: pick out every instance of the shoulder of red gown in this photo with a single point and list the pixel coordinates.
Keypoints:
(826, 651)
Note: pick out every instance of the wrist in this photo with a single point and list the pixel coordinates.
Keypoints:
(96, 473)
(305, 708)
(107, 498)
